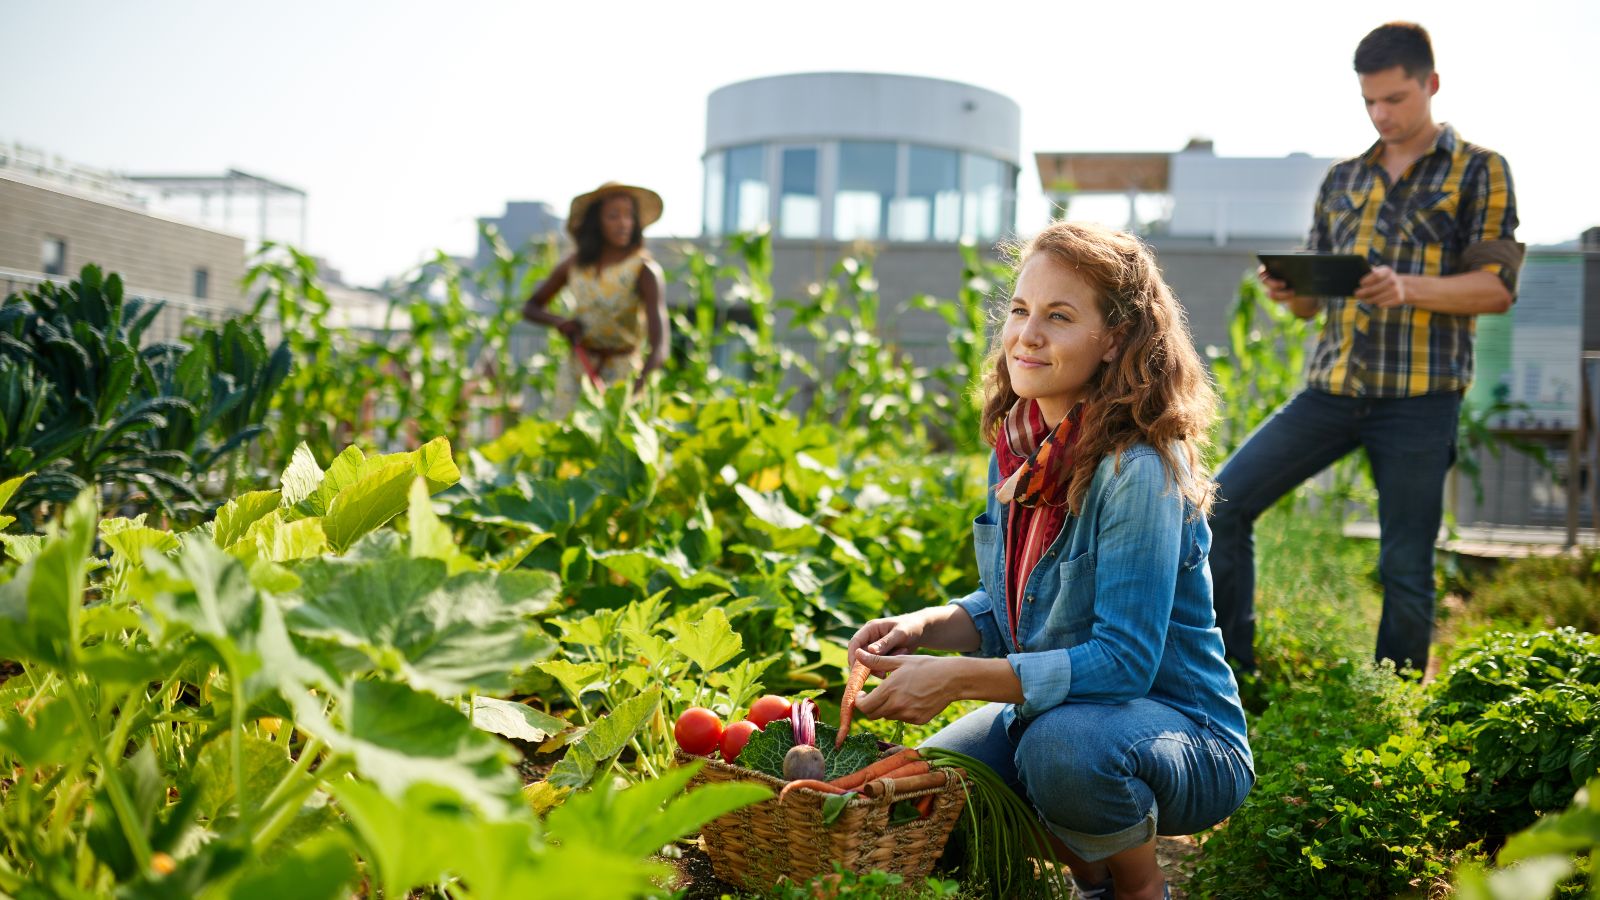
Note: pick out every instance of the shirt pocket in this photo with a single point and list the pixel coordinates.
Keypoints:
(1075, 601)
(1431, 219)
(985, 541)
(1344, 218)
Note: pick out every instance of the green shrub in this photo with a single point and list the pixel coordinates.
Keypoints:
(1352, 798)
(1553, 858)
(1539, 593)
(1527, 703)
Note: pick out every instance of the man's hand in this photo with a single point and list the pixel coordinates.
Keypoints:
(1276, 289)
(916, 693)
(570, 329)
(1382, 288)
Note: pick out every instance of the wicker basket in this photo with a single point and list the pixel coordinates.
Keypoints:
(759, 845)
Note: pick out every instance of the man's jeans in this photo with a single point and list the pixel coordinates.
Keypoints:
(1411, 444)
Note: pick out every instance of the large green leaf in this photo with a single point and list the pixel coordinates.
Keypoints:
(645, 568)
(209, 592)
(604, 740)
(440, 633)
(399, 737)
(7, 488)
(424, 838)
(361, 494)
(647, 816)
(265, 764)
(515, 720)
(319, 869)
(709, 641)
(40, 605)
(344, 471)
(771, 510)
(574, 678)
(237, 515)
(412, 840)
(302, 478)
(48, 736)
(367, 504)
(130, 538)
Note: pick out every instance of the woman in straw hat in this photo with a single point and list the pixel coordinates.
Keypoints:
(614, 291)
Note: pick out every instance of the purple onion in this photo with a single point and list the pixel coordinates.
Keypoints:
(803, 716)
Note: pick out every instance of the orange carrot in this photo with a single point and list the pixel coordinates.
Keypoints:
(915, 767)
(847, 706)
(907, 785)
(814, 785)
(876, 770)
(925, 805)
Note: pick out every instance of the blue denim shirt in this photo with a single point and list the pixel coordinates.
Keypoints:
(1118, 607)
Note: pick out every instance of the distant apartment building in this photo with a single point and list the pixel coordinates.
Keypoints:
(523, 222)
(56, 217)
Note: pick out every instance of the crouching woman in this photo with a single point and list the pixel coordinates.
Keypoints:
(1115, 715)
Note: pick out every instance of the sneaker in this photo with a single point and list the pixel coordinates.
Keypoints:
(1100, 891)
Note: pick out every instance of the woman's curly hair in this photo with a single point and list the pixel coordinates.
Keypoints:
(1156, 391)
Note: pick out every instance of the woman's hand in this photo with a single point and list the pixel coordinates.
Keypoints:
(894, 636)
(570, 329)
(914, 689)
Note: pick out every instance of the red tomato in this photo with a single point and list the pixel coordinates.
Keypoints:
(698, 731)
(767, 709)
(735, 737)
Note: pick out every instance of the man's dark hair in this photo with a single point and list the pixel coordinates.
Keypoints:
(1403, 44)
(590, 239)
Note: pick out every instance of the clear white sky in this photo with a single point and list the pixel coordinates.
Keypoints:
(405, 121)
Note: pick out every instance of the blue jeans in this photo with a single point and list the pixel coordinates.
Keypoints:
(1108, 777)
(1410, 442)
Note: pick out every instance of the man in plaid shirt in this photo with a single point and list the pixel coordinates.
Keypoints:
(1436, 219)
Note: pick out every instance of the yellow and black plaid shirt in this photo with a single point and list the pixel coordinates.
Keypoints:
(1436, 220)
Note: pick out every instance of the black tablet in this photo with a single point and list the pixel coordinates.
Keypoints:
(1317, 274)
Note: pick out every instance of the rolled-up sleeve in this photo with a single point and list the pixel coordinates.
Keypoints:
(1491, 223)
(979, 607)
(1139, 538)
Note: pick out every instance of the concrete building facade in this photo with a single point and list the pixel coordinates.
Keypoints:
(50, 230)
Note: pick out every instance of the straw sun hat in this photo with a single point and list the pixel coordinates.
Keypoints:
(648, 202)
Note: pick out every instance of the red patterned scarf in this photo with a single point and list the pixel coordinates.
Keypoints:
(1034, 463)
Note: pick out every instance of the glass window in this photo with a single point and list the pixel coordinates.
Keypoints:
(866, 187)
(746, 201)
(716, 189)
(931, 209)
(202, 283)
(984, 212)
(53, 256)
(799, 206)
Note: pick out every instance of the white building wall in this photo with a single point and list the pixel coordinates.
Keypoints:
(1223, 198)
(862, 106)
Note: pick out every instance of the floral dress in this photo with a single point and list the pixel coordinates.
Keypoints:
(605, 301)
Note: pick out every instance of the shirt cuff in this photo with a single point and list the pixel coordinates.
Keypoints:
(977, 605)
(1046, 680)
(1502, 258)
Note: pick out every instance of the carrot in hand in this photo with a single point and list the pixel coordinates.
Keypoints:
(813, 784)
(847, 706)
(876, 770)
